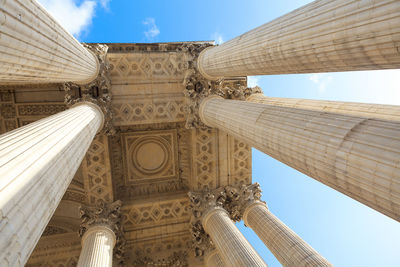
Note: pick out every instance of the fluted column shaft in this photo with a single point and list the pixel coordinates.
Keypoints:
(97, 247)
(233, 247)
(34, 48)
(285, 244)
(214, 260)
(357, 156)
(376, 111)
(37, 163)
(323, 36)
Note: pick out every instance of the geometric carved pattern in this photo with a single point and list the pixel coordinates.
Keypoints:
(240, 162)
(8, 119)
(162, 252)
(40, 109)
(150, 214)
(155, 65)
(149, 111)
(169, 175)
(150, 155)
(68, 261)
(97, 171)
(205, 158)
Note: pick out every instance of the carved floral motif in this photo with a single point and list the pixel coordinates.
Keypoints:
(239, 197)
(107, 214)
(198, 87)
(200, 204)
(97, 91)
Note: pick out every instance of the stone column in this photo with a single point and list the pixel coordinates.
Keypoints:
(37, 164)
(286, 245)
(323, 36)
(213, 259)
(34, 48)
(357, 156)
(376, 111)
(211, 220)
(99, 230)
(97, 247)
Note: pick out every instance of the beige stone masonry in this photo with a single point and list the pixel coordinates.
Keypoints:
(37, 163)
(233, 247)
(285, 244)
(34, 48)
(97, 247)
(213, 259)
(357, 156)
(376, 111)
(323, 36)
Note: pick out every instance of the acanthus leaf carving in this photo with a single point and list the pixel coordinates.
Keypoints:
(198, 87)
(109, 215)
(238, 198)
(97, 91)
(200, 204)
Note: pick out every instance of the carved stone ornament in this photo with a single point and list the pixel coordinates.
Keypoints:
(200, 204)
(238, 198)
(97, 91)
(198, 87)
(106, 214)
(177, 259)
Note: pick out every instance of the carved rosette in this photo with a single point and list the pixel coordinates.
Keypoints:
(98, 91)
(239, 198)
(200, 204)
(198, 87)
(109, 215)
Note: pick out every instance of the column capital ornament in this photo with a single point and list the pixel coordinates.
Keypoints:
(97, 91)
(198, 86)
(107, 215)
(200, 204)
(238, 198)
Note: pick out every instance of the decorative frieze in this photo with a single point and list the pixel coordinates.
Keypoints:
(204, 158)
(146, 111)
(177, 259)
(8, 119)
(151, 214)
(97, 171)
(161, 252)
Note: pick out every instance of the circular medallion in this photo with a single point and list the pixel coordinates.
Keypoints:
(149, 155)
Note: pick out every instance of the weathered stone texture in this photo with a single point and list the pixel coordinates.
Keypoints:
(32, 181)
(323, 36)
(357, 156)
(34, 48)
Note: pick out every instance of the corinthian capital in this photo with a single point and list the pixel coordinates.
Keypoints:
(107, 215)
(200, 204)
(239, 198)
(198, 86)
(97, 91)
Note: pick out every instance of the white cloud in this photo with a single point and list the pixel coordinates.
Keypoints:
(104, 4)
(152, 29)
(74, 17)
(321, 80)
(217, 37)
(252, 81)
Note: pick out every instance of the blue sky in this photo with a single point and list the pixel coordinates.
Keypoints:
(346, 232)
